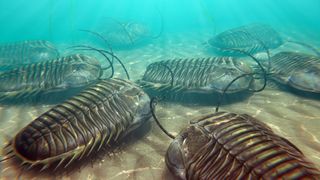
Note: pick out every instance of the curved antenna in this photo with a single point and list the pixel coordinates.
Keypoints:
(161, 25)
(120, 62)
(107, 52)
(243, 75)
(123, 27)
(153, 102)
(101, 37)
(89, 48)
(263, 46)
(227, 87)
(306, 45)
(170, 71)
(259, 64)
(85, 47)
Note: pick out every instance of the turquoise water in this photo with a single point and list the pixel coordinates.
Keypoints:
(58, 21)
(184, 27)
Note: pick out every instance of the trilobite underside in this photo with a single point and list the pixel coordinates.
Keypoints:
(32, 82)
(200, 75)
(231, 146)
(297, 70)
(81, 126)
(249, 38)
(26, 52)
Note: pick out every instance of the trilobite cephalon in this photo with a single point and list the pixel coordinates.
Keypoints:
(232, 146)
(81, 126)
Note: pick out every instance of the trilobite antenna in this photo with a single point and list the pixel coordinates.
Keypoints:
(170, 71)
(306, 45)
(101, 37)
(243, 75)
(264, 46)
(161, 25)
(85, 47)
(120, 62)
(264, 73)
(227, 87)
(123, 27)
(89, 48)
(153, 103)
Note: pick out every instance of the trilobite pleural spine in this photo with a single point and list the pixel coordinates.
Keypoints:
(81, 126)
(232, 146)
(204, 75)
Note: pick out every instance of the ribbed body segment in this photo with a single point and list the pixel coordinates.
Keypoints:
(205, 75)
(26, 52)
(231, 146)
(81, 126)
(301, 71)
(247, 38)
(62, 73)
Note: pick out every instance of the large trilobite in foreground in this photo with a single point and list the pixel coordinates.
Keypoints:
(231, 146)
(81, 127)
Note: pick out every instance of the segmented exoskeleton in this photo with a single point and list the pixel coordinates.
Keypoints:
(231, 146)
(201, 75)
(252, 38)
(126, 34)
(245, 38)
(81, 126)
(26, 52)
(34, 79)
(298, 70)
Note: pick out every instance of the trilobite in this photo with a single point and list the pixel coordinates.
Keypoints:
(25, 52)
(201, 75)
(29, 81)
(298, 70)
(231, 146)
(125, 34)
(247, 38)
(81, 126)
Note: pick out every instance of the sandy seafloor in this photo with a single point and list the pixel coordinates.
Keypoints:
(294, 117)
